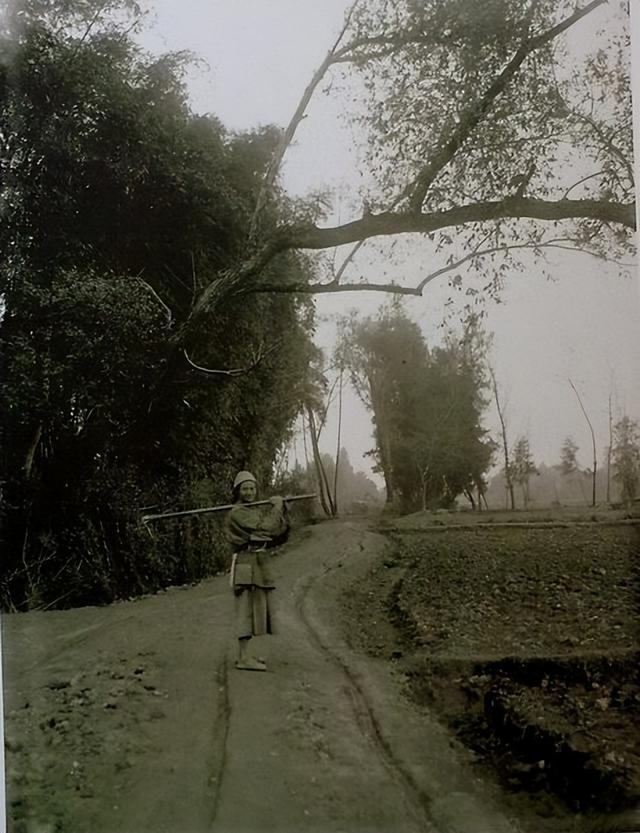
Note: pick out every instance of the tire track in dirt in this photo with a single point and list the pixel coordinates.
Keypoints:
(300, 752)
(220, 735)
(364, 715)
(323, 742)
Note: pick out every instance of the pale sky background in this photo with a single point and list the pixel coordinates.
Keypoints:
(583, 324)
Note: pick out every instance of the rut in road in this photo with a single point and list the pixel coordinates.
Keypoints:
(362, 710)
(323, 742)
(220, 734)
(299, 746)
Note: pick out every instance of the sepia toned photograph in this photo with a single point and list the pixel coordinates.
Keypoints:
(319, 416)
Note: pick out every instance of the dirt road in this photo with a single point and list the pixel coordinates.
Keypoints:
(132, 718)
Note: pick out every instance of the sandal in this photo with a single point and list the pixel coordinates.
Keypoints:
(251, 664)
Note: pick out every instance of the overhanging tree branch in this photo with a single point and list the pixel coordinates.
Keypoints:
(245, 277)
(242, 278)
(407, 222)
(331, 288)
(562, 243)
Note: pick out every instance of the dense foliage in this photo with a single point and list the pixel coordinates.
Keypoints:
(426, 405)
(118, 207)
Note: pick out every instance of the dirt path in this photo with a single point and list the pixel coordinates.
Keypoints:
(132, 718)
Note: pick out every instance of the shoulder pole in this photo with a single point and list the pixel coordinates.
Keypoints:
(225, 507)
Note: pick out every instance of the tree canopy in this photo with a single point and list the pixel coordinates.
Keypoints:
(487, 134)
(568, 458)
(118, 207)
(426, 406)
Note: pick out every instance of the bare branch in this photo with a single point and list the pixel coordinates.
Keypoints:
(152, 291)
(580, 181)
(289, 132)
(626, 264)
(608, 142)
(392, 288)
(348, 260)
(400, 197)
(554, 243)
(212, 371)
(258, 356)
(477, 252)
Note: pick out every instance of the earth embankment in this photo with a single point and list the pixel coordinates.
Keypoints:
(523, 639)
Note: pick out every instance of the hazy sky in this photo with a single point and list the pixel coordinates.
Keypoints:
(583, 324)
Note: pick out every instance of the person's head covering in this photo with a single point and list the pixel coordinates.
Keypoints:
(242, 477)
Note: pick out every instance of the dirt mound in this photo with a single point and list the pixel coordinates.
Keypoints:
(71, 722)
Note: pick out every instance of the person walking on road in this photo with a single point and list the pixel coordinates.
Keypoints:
(252, 531)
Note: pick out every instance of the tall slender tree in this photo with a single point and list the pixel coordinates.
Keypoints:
(522, 467)
(508, 471)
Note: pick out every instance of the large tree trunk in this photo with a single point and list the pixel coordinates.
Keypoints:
(385, 463)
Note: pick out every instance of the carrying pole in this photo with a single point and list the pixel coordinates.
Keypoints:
(146, 518)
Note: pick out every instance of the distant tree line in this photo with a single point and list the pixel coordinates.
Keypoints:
(352, 490)
(566, 482)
